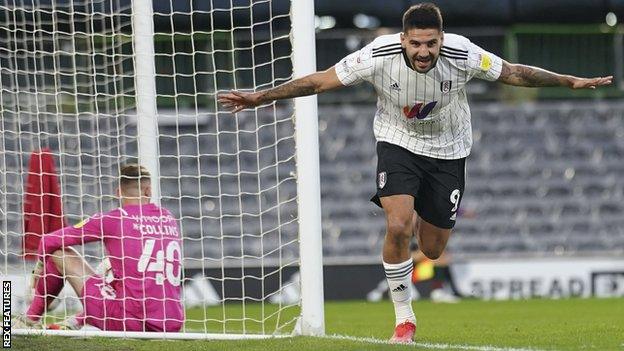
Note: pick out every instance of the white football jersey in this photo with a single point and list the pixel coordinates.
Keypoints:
(426, 113)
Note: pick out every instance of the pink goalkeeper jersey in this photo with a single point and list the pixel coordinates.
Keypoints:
(144, 248)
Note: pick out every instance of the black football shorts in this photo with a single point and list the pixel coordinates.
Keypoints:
(437, 185)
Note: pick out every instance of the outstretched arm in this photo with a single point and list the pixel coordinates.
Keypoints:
(529, 76)
(314, 83)
(86, 231)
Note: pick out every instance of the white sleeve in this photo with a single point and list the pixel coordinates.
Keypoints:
(357, 67)
(483, 64)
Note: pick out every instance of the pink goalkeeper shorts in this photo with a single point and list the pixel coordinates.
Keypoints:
(104, 310)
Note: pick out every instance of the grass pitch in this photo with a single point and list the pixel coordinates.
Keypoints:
(574, 324)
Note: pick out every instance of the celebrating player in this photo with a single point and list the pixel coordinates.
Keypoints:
(423, 131)
(143, 245)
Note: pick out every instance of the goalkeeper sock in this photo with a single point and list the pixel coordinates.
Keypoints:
(48, 286)
(399, 280)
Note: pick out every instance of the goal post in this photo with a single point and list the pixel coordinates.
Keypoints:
(98, 84)
(145, 83)
(308, 174)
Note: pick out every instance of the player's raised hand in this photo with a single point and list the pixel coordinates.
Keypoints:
(237, 101)
(590, 83)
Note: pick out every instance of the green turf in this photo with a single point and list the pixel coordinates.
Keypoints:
(575, 324)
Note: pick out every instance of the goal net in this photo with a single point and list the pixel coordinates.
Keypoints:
(92, 85)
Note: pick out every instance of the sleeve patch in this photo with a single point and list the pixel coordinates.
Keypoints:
(345, 66)
(485, 62)
(81, 223)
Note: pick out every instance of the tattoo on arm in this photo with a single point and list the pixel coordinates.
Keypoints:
(295, 88)
(529, 76)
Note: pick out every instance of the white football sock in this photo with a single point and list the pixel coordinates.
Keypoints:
(399, 278)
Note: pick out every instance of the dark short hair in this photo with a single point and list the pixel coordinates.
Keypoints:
(422, 16)
(132, 174)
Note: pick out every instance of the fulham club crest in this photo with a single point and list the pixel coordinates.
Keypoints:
(381, 180)
(445, 86)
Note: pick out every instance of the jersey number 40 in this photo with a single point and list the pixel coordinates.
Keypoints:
(163, 266)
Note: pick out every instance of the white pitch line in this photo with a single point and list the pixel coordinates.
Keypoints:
(431, 345)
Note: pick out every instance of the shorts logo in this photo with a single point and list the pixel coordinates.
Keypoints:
(107, 291)
(455, 196)
(381, 180)
(445, 86)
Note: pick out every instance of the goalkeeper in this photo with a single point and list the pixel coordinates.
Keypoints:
(144, 249)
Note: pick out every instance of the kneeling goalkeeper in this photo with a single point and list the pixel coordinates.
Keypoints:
(141, 292)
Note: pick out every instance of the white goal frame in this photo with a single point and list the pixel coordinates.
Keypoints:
(311, 318)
